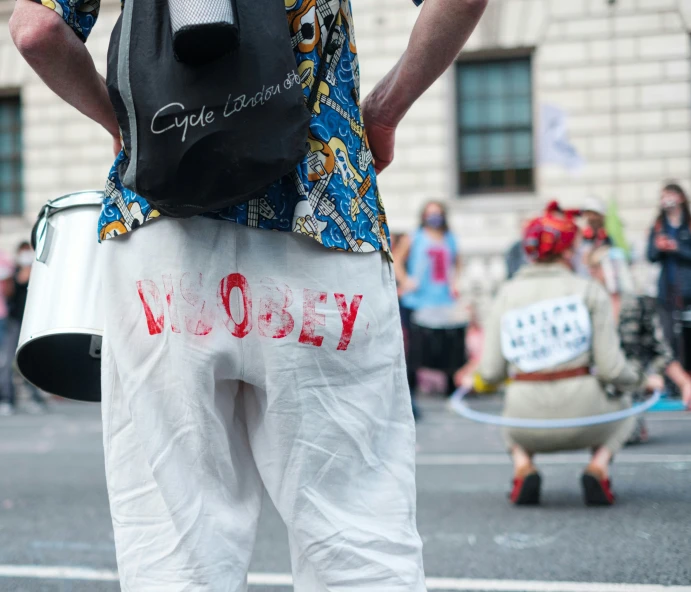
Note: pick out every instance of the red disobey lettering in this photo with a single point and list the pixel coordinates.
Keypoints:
(150, 296)
(278, 297)
(311, 318)
(203, 320)
(239, 281)
(348, 316)
(172, 306)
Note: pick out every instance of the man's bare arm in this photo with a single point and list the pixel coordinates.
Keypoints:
(62, 61)
(440, 32)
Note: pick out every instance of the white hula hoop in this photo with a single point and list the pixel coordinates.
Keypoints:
(460, 407)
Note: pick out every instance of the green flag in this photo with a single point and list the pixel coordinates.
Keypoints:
(615, 227)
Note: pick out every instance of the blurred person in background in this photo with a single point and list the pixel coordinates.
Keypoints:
(427, 265)
(669, 244)
(16, 305)
(594, 233)
(548, 328)
(640, 330)
(7, 346)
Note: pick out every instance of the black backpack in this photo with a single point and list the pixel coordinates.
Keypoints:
(210, 114)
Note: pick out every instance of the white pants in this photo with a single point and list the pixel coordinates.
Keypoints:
(238, 360)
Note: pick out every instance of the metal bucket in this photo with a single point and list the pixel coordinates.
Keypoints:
(60, 341)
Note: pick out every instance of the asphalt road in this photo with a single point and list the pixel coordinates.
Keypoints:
(55, 529)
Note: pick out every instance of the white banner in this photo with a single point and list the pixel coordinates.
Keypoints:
(543, 335)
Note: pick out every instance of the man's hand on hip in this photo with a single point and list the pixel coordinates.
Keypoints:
(380, 133)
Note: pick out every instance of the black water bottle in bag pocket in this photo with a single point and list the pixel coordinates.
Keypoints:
(205, 127)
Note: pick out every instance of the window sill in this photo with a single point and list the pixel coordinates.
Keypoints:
(501, 203)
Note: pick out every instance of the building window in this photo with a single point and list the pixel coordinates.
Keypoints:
(11, 202)
(495, 125)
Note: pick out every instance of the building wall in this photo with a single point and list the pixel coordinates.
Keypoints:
(621, 72)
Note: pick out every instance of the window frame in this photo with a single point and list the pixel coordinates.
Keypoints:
(493, 56)
(16, 158)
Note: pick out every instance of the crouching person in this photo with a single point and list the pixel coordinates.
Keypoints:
(554, 334)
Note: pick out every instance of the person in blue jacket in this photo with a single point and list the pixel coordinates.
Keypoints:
(669, 244)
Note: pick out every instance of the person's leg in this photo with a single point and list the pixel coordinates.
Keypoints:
(329, 416)
(667, 321)
(35, 403)
(184, 491)
(413, 361)
(411, 368)
(640, 434)
(600, 461)
(522, 460)
(455, 356)
(7, 350)
(34, 393)
(527, 482)
(411, 351)
(596, 481)
(613, 440)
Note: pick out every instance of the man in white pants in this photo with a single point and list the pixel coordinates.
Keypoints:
(237, 360)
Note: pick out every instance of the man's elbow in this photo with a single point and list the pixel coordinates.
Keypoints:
(35, 29)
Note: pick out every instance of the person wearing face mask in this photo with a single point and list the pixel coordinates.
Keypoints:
(24, 261)
(16, 304)
(548, 331)
(594, 232)
(669, 244)
(427, 265)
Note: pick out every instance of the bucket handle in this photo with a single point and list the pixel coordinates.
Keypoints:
(43, 231)
(42, 235)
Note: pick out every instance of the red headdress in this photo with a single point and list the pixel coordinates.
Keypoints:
(551, 234)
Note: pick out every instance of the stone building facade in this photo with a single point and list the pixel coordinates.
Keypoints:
(618, 71)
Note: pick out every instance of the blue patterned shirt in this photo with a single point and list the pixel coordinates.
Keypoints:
(332, 196)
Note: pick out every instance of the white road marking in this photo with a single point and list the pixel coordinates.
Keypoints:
(57, 572)
(520, 541)
(281, 580)
(547, 459)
